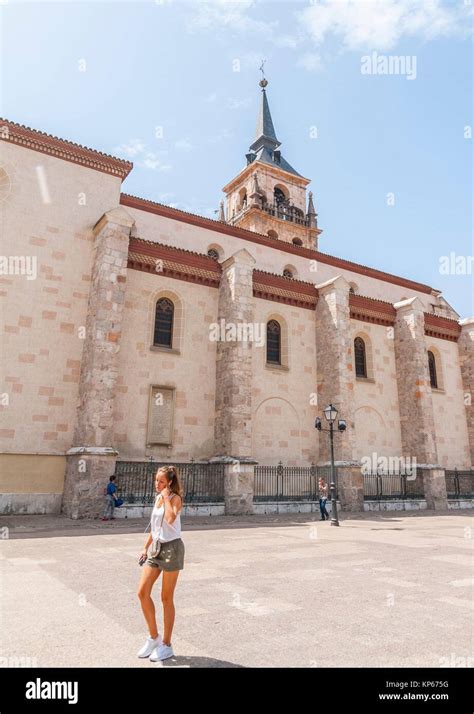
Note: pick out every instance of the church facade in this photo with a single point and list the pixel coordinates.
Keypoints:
(135, 330)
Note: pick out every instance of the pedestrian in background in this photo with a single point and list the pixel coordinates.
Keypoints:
(323, 499)
(110, 502)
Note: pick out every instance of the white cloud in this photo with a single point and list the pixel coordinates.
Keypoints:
(137, 150)
(154, 162)
(165, 197)
(237, 103)
(131, 149)
(381, 24)
(221, 136)
(183, 145)
(310, 61)
(233, 15)
(207, 14)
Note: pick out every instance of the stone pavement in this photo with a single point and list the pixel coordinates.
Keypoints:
(391, 589)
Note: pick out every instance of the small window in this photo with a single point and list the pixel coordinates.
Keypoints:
(297, 241)
(213, 254)
(287, 273)
(360, 357)
(273, 342)
(432, 368)
(272, 234)
(164, 323)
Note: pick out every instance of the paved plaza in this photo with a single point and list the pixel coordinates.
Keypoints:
(392, 589)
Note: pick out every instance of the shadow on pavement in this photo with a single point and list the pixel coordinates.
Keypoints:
(198, 662)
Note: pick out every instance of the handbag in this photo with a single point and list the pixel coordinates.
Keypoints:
(157, 546)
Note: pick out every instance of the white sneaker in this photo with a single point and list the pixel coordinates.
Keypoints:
(162, 651)
(149, 646)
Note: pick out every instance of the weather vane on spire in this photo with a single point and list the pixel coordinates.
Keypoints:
(263, 82)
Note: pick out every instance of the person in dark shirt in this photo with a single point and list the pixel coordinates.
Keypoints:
(110, 503)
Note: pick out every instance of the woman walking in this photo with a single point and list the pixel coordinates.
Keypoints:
(167, 555)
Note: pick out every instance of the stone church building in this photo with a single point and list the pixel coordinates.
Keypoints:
(134, 330)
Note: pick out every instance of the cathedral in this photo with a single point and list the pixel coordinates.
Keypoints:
(136, 331)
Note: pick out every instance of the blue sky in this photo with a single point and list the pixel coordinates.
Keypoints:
(115, 75)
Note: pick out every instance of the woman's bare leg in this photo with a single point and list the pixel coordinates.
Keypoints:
(167, 591)
(148, 579)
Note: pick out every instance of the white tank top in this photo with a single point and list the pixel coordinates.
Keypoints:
(167, 531)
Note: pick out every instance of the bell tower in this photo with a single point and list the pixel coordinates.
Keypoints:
(268, 196)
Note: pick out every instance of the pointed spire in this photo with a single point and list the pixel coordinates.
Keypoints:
(312, 215)
(222, 212)
(265, 133)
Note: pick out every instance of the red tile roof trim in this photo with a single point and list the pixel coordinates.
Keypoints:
(213, 225)
(62, 149)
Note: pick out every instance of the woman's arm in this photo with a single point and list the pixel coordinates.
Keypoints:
(171, 508)
(148, 543)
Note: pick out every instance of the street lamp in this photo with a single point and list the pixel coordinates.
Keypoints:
(330, 413)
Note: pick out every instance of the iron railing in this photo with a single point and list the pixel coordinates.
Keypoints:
(286, 213)
(282, 211)
(460, 484)
(289, 483)
(202, 482)
(381, 485)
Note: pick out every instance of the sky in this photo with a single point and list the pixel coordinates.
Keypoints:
(371, 99)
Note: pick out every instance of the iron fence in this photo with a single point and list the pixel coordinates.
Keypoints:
(381, 485)
(202, 482)
(460, 484)
(289, 483)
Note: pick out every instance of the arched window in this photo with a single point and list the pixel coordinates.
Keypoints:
(360, 357)
(432, 368)
(297, 241)
(164, 323)
(279, 196)
(287, 273)
(242, 201)
(273, 342)
(272, 234)
(212, 253)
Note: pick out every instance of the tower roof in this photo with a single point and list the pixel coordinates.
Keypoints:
(265, 130)
(265, 145)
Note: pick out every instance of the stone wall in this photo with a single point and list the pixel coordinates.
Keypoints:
(233, 415)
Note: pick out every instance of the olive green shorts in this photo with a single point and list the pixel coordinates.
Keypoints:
(170, 557)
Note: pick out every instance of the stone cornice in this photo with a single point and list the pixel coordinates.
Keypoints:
(442, 327)
(173, 262)
(194, 267)
(371, 310)
(175, 214)
(62, 149)
(379, 312)
(278, 288)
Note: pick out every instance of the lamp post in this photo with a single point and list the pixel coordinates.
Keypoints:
(330, 413)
